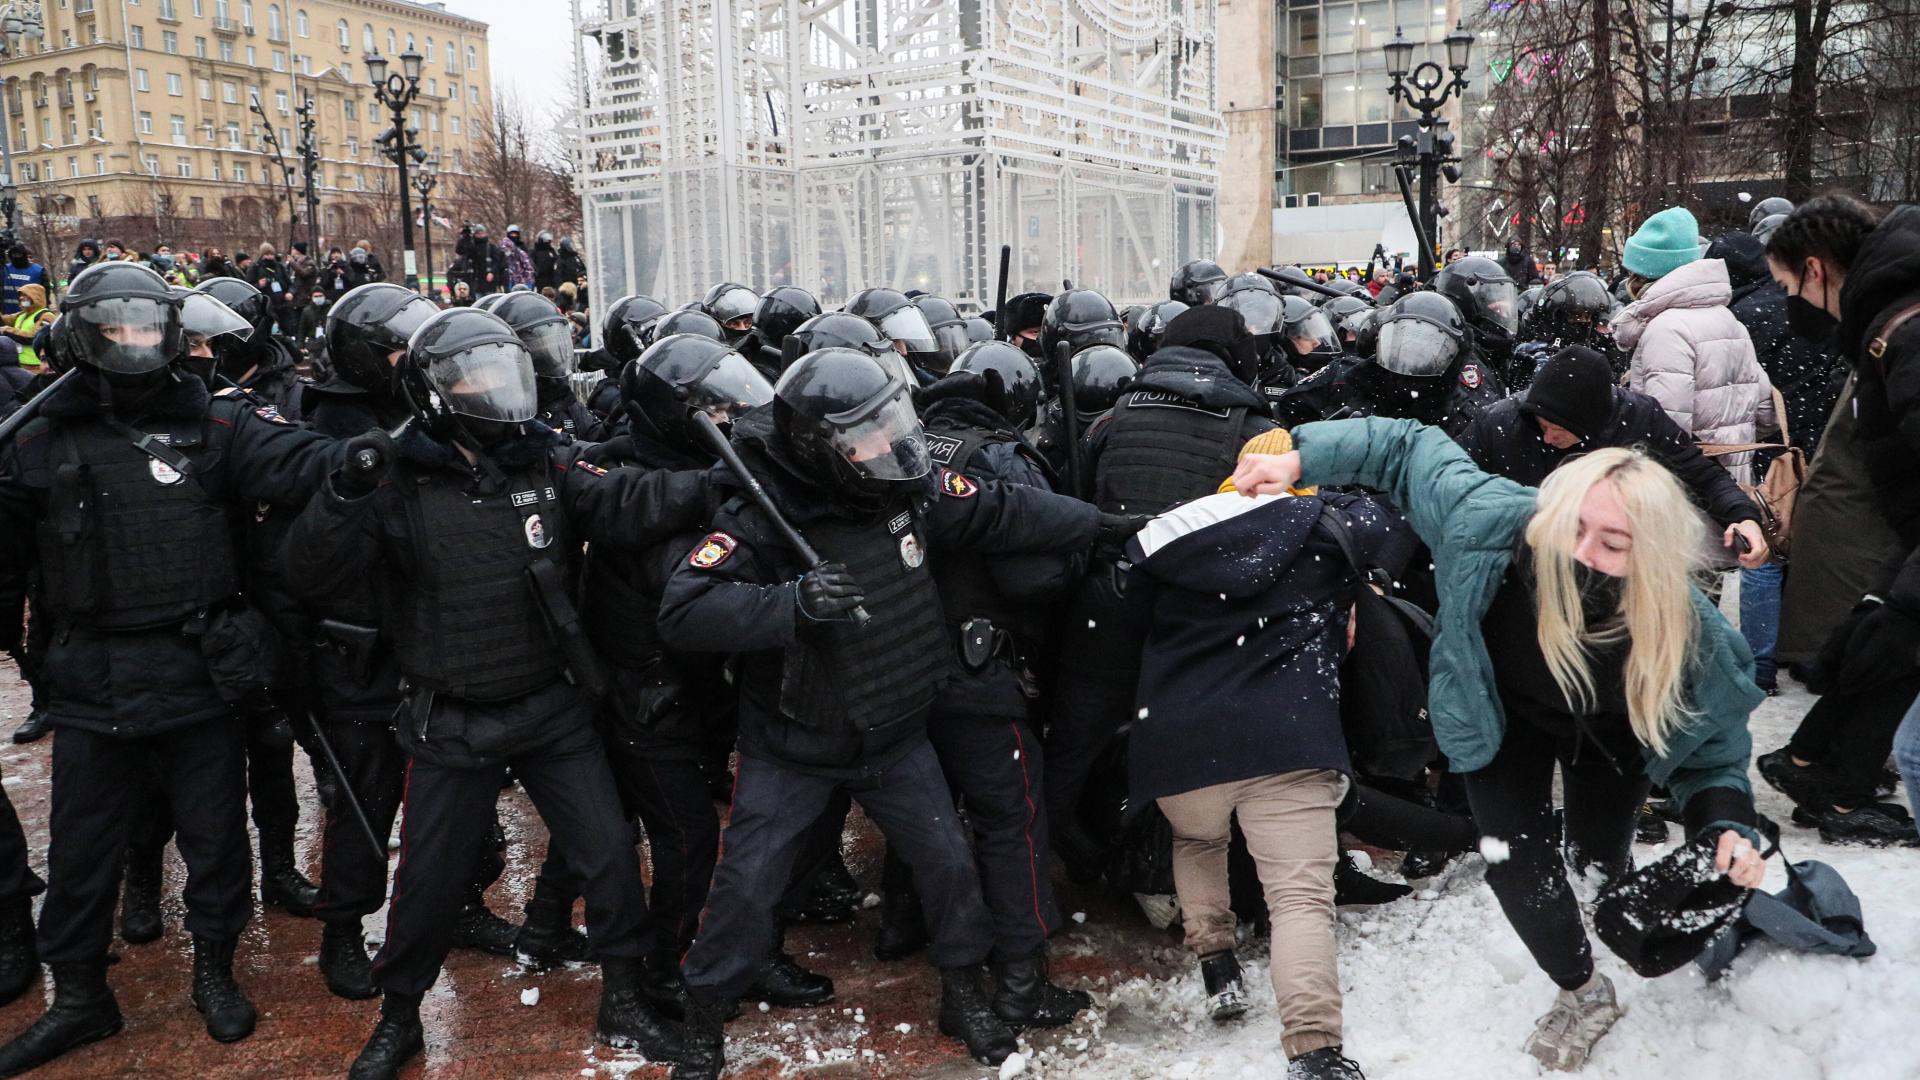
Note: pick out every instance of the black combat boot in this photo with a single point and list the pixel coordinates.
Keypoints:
(965, 1015)
(1226, 991)
(19, 958)
(1024, 998)
(1354, 888)
(282, 885)
(83, 1012)
(547, 939)
(627, 1020)
(34, 727)
(704, 1054)
(395, 1040)
(660, 980)
(477, 927)
(344, 962)
(903, 929)
(787, 985)
(230, 1016)
(140, 901)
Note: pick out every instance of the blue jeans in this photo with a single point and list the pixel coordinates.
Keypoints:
(1760, 618)
(1906, 750)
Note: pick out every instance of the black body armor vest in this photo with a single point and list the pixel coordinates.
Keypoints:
(1163, 449)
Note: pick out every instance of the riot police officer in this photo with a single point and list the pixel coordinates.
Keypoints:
(1173, 436)
(1198, 282)
(781, 312)
(733, 307)
(1263, 314)
(624, 332)
(1489, 301)
(949, 332)
(831, 700)
(1076, 319)
(1020, 319)
(1572, 311)
(686, 321)
(124, 491)
(261, 362)
(900, 322)
(1148, 325)
(549, 340)
(468, 523)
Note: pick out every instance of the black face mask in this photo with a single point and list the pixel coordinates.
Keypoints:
(1808, 320)
(22, 262)
(1599, 594)
(1031, 346)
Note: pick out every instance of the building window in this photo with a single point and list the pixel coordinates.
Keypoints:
(453, 124)
(233, 134)
(473, 57)
(346, 71)
(199, 8)
(167, 11)
(93, 206)
(137, 36)
(433, 121)
(200, 47)
(140, 81)
(280, 101)
(178, 126)
(73, 167)
(344, 33)
(215, 170)
(347, 110)
(230, 93)
(366, 37)
(279, 60)
(240, 172)
(152, 162)
(433, 87)
(429, 50)
(206, 89)
(473, 93)
(146, 123)
(303, 64)
(99, 130)
(226, 51)
(183, 167)
(196, 207)
(27, 172)
(392, 41)
(301, 25)
(99, 167)
(252, 57)
(273, 21)
(353, 146)
(169, 42)
(173, 84)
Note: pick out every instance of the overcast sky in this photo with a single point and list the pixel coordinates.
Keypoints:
(531, 42)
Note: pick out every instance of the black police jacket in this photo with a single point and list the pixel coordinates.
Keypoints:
(137, 682)
(434, 586)
(570, 416)
(1175, 435)
(836, 697)
(1350, 387)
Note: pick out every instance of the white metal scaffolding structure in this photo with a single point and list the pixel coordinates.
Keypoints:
(842, 144)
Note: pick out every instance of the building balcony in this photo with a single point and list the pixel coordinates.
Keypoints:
(66, 99)
(225, 25)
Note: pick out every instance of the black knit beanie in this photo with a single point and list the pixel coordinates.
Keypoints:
(1574, 389)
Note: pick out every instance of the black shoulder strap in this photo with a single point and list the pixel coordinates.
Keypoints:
(152, 446)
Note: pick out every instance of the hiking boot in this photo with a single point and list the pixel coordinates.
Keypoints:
(34, 727)
(140, 905)
(1326, 1063)
(660, 980)
(965, 1015)
(703, 1055)
(1649, 827)
(1025, 998)
(477, 927)
(283, 886)
(1226, 992)
(1806, 785)
(230, 1016)
(786, 985)
(627, 1020)
(395, 1040)
(547, 939)
(1563, 1039)
(19, 955)
(1873, 825)
(83, 1012)
(344, 962)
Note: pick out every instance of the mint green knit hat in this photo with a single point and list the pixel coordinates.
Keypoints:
(1664, 243)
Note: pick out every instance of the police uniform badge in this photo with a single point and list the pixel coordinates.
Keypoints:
(1470, 376)
(714, 550)
(537, 535)
(271, 415)
(164, 473)
(590, 468)
(911, 553)
(957, 485)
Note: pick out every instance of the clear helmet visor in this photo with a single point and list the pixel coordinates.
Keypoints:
(1501, 299)
(730, 389)
(908, 326)
(885, 443)
(736, 303)
(951, 340)
(128, 335)
(1261, 311)
(493, 381)
(1415, 347)
(551, 346)
(1315, 332)
(203, 318)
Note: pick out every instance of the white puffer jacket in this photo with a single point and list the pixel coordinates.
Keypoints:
(1695, 358)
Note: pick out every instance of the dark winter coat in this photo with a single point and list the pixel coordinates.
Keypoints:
(486, 265)
(1240, 676)
(1505, 441)
(1520, 266)
(138, 683)
(545, 260)
(569, 266)
(1802, 369)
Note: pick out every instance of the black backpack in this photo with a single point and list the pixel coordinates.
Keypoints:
(1383, 681)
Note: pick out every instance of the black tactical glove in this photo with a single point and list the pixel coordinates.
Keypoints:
(1115, 531)
(828, 592)
(369, 458)
(1884, 645)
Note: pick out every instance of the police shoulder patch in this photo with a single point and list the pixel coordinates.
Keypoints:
(1470, 376)
(956, 485)
(714, 550)
(590, 467)
(271, 415)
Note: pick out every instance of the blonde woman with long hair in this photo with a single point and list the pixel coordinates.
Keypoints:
(1569, 632)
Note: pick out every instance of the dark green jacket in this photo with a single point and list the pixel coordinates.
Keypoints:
(1472, 521)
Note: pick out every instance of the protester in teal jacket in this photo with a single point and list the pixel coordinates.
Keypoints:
(1610, 664)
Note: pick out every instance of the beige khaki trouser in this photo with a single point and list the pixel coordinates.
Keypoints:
(1288, 822)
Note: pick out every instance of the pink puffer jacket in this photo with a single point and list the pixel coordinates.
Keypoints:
(1695, 358)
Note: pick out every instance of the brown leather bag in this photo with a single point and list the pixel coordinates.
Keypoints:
(1777, 490)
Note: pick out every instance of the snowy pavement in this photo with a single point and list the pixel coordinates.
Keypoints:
(1440, 989)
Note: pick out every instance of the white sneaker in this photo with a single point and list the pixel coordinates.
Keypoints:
(1563, 1039)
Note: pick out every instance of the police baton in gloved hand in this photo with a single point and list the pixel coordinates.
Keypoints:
(717, 442)
(31, 407)
(343, 784)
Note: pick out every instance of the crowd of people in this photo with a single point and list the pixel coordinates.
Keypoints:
(1168, 600)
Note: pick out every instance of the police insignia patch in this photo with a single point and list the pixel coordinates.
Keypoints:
(957, 485)
(271, 415)
(537, 535)
(163, 473)
(590, 467)
(713, 551)
(1470, 377)
(911, 554)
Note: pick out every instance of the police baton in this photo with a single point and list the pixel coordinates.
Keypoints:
(31, 407)
(1070, 420)
(723, 449)
(1000, 292)
(1292, 277)
(344, 785)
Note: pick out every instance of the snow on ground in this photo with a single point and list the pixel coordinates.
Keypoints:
(1443, 989)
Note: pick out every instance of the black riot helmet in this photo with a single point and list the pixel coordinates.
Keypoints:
(1198, 282)
(1221, 332)
(1249, 281)
(366, 327)
(1481, 289)
(490, 301)
(628, 326)
(1766, 208)
(1421, 336)
(978, 330)
(1571, 309)
(1339, 309)
(733, 307)
(1013, 382)
(1764, 228)
(1311, 340)
(781, 312)
(1079, 318)
(680, 375)
(847, 418)
(121, 320)
(949, 331)
(899, 321)
(1529, 298)
(1149, 325)
(468, 378)
(545, 332)
(1262, 312)
(1022, 313)
(686, 321)
(236, 355)
(834, 330)
(1101, 373)
(1344, 287)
